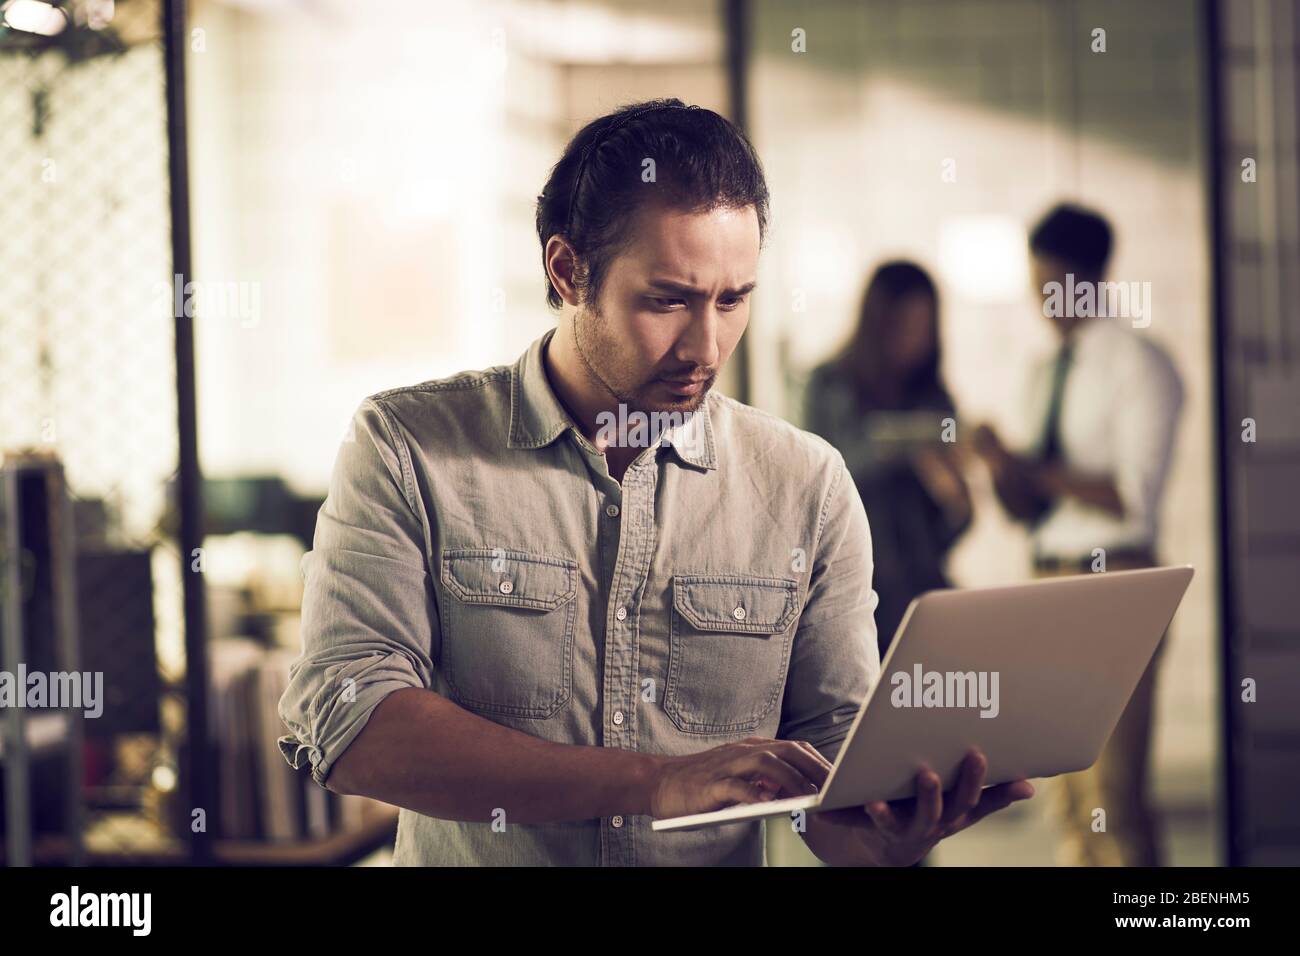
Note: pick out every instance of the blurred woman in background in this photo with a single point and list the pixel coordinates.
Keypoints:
(882, 402)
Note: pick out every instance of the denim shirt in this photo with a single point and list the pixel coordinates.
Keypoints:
(473, 543)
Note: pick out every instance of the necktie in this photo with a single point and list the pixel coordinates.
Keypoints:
(1050, 446)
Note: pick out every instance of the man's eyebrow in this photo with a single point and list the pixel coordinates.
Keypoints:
(667, 285)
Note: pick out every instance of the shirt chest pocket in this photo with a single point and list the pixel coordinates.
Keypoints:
(729, 647)
(507, 630)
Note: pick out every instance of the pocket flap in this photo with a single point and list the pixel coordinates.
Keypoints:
(733, 602)
(509, 578)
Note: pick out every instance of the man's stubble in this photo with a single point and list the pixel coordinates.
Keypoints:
(597, 347)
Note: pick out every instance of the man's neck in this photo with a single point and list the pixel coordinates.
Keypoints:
(583, 396)
(1071, 334)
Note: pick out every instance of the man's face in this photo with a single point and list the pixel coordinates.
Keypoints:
(672, 307)
(1048, 268)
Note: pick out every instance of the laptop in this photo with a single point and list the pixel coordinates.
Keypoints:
(1035, 675)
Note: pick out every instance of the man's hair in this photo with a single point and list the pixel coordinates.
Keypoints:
(702, 161)
(1078, 236)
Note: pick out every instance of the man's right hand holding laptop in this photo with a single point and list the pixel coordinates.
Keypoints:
(894, 833)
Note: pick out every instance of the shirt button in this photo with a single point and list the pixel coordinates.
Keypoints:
(738, 614)
(611, 510)
(621, 613)
(618, 717)
(507, 587)
(616, 821)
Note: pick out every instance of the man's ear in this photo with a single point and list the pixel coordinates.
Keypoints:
(561, 264)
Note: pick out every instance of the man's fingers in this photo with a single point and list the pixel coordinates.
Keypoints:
(988, 804)
(883, 817)
(795, 752)
(773, 769)
(805, 758)
(729, 791)
(966, 795)
(999, 798)
(1014, 790)
(929, 804)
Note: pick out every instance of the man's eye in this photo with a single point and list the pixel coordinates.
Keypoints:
(667, 304)
(731, 302)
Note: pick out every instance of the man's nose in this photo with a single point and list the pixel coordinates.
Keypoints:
(698, 344)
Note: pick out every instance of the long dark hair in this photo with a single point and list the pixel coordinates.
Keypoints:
(864, 359)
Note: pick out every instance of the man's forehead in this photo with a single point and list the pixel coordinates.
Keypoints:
(684, 248)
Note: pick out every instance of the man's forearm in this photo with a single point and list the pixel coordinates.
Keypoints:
(1023, 485)
(1099, 492)
(421, 751)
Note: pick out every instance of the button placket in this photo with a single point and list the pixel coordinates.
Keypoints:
(631, 563)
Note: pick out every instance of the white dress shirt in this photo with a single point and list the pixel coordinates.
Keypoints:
(1119, 414)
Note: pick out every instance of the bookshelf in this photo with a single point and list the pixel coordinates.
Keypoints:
(38, 629)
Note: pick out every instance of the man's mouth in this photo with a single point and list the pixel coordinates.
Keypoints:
(687, 386)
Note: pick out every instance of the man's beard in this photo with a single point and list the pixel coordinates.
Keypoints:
(598, 349)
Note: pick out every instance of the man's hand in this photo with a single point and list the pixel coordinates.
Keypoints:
(1024, 486)
(749, 771)
(904, 831)
(1016, 480)
(986, 441)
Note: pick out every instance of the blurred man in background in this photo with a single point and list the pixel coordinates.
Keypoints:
(1104, 409)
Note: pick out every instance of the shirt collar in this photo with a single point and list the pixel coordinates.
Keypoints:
(692, 440)
(1091, 329)
(537, 418)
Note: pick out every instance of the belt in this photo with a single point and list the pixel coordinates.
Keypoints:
(1132, 557)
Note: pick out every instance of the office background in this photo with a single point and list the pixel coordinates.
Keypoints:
(359, 204)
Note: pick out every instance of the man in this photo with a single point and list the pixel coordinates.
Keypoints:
(535, 632)
(1103, 411)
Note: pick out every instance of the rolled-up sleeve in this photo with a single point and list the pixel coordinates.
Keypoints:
(367, 613)
(835, 659)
